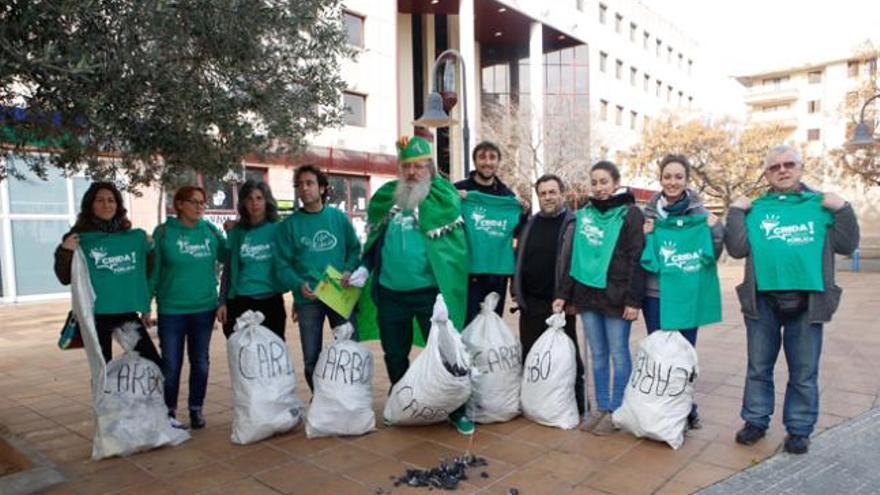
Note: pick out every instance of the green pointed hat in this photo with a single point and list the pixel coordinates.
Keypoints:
(410, 149)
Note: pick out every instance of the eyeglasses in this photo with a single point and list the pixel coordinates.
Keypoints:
(776, 167)
(197, 204)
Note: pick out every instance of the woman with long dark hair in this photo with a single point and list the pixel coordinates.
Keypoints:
(187, 251)
(118, 264)
(249, 281)
(602, 279)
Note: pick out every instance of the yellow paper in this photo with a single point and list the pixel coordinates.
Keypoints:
(338, 298)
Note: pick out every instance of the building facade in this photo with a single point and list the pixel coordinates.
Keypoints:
(571, 64)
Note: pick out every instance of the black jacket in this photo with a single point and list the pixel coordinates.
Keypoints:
(626, 277)
(516, 289)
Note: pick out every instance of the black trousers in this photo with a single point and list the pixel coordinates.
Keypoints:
(271, 307)
(106, 324)
(479, 286)
(532, 325)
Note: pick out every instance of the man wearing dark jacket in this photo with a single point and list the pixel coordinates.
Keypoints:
(534, 282)
(486, 157)
(781, 311)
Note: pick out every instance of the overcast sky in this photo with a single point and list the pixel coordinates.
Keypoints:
(743, 36)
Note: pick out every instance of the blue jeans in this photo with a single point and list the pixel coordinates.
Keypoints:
(802, 343)
(311, 333)
(608, 339)
(651, 310)
(195, 329)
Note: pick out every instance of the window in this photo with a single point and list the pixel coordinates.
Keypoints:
(354, 28)
(813, 106)
(355, 109)
(645, 38)
(852, 68)
(603, 110)
(646, 121)
(814, 77)
(668, 94)
(680, 98)
(690, 66)
(669, 54)
(579, 4)
(632, 31)
(659, 87)
(632, 76)
(690, 101)
(632, 120)
(812, 134)
(348, 193)
(603, 61)
(618, 116)
(680, 60)
(257, 174)
(647, 82)
(659, 44)
(871, 66)
(603, 12)
(618, 69)
(618, 22)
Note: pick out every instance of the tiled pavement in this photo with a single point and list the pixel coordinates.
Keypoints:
(44, 400)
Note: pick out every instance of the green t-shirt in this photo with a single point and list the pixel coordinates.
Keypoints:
(185, 272)
(786, 234)
(405, 264)
(118, 270)
(680, 250)
(306, 243)
(253, 248)
(595, 238)
(489, 223)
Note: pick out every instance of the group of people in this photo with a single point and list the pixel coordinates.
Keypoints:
(427, 236)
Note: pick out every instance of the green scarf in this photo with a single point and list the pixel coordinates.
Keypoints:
(595, 237)
(439, 218)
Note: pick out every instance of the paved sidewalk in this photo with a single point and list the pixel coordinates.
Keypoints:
(44, 400)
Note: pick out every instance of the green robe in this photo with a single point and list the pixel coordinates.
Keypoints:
(441, 222)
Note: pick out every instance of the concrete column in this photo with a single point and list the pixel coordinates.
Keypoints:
(536, 95)
(468, 49)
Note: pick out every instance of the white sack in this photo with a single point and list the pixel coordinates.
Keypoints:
(548, 378)
(343, 400)
(660, 391)
(429, 392)
(496, 365)
(263, 383)
(130, 410)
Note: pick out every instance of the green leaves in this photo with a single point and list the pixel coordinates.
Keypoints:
(165, 86)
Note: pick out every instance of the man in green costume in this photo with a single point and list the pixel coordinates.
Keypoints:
(415, 249)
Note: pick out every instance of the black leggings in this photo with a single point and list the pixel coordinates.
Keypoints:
(106, 324)
(271, 307)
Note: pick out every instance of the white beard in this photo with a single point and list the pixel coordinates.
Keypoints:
(408, 196)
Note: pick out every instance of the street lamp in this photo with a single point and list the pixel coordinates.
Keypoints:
(436, 115)
(864, 135)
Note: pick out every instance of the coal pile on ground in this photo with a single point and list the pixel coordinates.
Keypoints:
(445, 476)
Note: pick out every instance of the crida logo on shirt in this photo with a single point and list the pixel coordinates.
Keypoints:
(322, 241)
(792, 234)
(256, 252)
(120, 263)
(196, 250)
(492, 227)
(594, 234)
(688, 262)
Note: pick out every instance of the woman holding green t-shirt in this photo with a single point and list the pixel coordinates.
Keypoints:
(600, 277)
(248, 281)
(117, 258)
(675, 199)
(185, 284)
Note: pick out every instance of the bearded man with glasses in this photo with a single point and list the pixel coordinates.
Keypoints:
(789, 237)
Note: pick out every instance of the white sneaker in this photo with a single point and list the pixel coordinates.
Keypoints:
(175, 423)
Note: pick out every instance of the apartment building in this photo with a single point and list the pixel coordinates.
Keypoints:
(600, 68)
